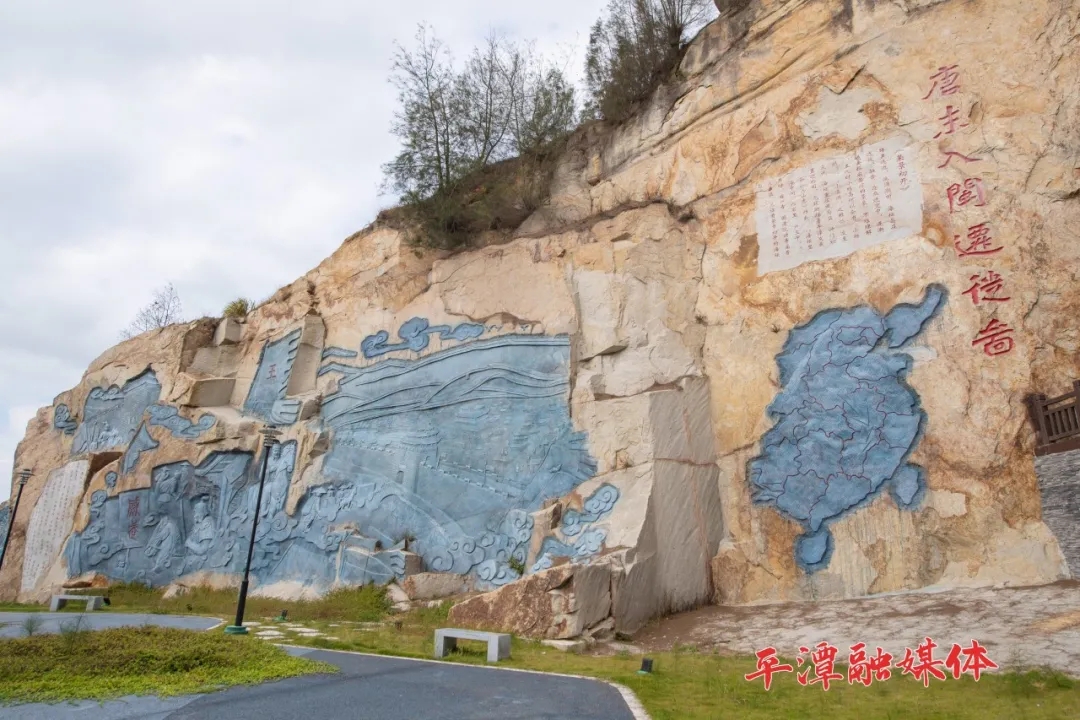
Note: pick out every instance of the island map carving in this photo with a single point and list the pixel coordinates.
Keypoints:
(846, 420)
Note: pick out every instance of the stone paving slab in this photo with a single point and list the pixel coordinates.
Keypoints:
(11, 622)
(1021, 627)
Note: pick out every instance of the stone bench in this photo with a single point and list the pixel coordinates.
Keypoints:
(93, 602)
(498, 644)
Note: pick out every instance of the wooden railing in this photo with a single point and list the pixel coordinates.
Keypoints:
(1057, 421)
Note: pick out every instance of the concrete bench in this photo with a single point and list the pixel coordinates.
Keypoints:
(498, 644)
(93, 602)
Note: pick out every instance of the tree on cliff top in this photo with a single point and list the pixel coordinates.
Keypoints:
(635, 48)
(455, 125)
(163, 311)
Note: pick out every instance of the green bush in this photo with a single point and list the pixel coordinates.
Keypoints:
(634, 49)
(238, 309)
(124, 661)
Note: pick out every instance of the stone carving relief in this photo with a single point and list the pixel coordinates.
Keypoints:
(337, 352)
(180, 524)
(415, 335)
(142, 443)
(845, 420)
(272, 379)
(112, 416)
(444, 457)
(455, 449)
(63, 421)
(5, 518)
(169, 417)
(580, 539)
(51, 519)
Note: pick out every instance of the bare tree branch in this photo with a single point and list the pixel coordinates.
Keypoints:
(165, 310)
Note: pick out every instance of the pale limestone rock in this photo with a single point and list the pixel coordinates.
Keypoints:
(228, 331)
(431, 586)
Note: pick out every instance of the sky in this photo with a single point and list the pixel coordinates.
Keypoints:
(225, 147)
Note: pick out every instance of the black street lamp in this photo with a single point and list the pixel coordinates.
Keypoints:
(269, 434)
(24, 475)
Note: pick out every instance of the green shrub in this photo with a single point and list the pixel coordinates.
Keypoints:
(238, 309)
(634, 49)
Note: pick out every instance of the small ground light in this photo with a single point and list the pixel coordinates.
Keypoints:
(646, 666)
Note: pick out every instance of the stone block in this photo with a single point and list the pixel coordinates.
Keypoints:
(210, 392)
(671, 424)
(216, 361)
(228, 332)
(308, 356)
(431, 586)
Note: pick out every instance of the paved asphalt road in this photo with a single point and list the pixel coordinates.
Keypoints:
(370, 688)
(11, 623)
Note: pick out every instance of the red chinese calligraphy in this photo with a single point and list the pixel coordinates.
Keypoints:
(996, 338)
(986, 287)
(951, 121)
(975, 660)
(961, 195)
(946, 81)
(978, 242)
(767, 665)
(865, 670)
(950, 154)
(824, 666)
(922, 664)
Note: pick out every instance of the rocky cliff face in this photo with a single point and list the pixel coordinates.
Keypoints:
(769, 340)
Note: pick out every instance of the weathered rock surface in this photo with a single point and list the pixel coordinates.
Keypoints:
(628, 399)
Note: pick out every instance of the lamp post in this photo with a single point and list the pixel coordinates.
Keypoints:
(24, 475)
(269, 434)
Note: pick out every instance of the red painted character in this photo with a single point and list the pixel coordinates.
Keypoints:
(986, 287)
(767, 665)
(951, 120)
(996, 338)
(946, 80)
(866, 670)
(926, 666)
(978, 242)
(950, 154)
(975, 660)
(824, 659)
(961, 195)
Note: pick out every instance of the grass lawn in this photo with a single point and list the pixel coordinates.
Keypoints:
(685, 685)
(77, 664)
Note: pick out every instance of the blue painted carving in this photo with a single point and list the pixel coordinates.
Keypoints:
(598, 505)
(846, 420)
(337, 352)
(285, 412)
(5, 518)
(272, 377)
(581, 539)
(169, 417)
(112, 416)
(415, 335)
(63, 421)
(142, 443)
(180, 524)
(110, 479)
(444, 456)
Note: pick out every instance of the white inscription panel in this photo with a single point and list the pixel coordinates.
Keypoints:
(836, 206)
(52, 519)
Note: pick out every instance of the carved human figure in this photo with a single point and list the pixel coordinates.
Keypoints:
(202, 535)
(163, 542)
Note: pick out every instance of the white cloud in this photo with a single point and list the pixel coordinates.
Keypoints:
(226, 147)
